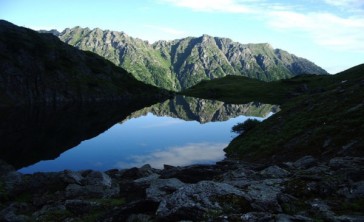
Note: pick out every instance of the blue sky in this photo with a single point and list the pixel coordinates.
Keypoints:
(327, 32)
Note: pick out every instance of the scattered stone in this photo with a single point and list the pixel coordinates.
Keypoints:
(96, 185)
(303, 190)
(191, 174)
(289, 218)
(346, 162)
(274, 172)
(136, 173)
(131, 191)
(355, 190)
(305, 162)
(321, 209)
(72, 177)
(132, 209)
(81, 206)
(14, 213)
(46, 210)
(264, 195)
(257, 216)
(203, 200)
(160, 188)
(9, 178)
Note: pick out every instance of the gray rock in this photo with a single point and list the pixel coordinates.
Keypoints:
(350, 218)
(160, 188)
(289, 218)
(305, 162)
(9, 176)
(146, 181)
(47, 209)
(356, 190)
(81, 206)
(257, 216)
(39, 182)
(12, 213)
(274, 172)
(203, 200)
(238, 174)
(316, 170)
(97, 178)
(146, 169)
(264, 195)
(136, 173)
(346, 162)
(95, 184)
(191, 174)
(139, 217)
(124, 213)
(70, 177)
(320, 208)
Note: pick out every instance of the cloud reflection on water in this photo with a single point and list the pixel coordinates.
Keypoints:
(178, 156)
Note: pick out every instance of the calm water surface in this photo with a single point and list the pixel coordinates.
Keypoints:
(147, 139)
(178, 132)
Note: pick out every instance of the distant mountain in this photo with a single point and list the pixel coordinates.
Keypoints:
(39, 68)
(182, 63)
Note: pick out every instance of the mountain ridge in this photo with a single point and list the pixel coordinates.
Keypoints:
(181, 63)
(39, 68)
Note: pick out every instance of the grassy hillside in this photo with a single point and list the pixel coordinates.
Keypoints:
(321, 115)
(182, 63)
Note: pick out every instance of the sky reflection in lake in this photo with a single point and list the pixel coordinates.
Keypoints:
(147, 139)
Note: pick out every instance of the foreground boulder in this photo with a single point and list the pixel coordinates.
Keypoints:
(308, 189)
(202, 200)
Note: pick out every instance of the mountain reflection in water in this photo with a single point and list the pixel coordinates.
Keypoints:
(118, 136)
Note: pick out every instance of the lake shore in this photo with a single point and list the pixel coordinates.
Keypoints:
(307, 189)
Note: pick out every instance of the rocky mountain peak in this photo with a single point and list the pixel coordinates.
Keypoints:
(181, 63)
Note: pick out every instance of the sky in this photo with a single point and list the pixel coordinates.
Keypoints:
(329, 33)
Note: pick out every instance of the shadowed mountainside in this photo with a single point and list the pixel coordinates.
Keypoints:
(39, 68)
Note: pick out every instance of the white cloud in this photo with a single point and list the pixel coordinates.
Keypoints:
(179, 156)
(324, 28)
(346, 3)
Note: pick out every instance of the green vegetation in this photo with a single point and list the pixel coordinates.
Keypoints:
(182, 63)
(57, 215)
(40, 68)
(239, 89)
(320, 116)
(109, 202)
(3, 193)
(246, 126)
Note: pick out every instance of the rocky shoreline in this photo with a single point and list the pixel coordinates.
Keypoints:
(307, 189)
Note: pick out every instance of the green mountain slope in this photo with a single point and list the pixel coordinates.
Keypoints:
(134, 55)
(39, 68)
(182, 63)
(320, 115)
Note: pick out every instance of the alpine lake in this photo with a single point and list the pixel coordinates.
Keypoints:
(179, 132)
